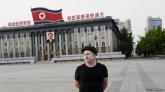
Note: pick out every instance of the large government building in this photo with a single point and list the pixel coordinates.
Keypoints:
(69, 38)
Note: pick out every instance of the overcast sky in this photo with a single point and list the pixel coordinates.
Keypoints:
(136, 10)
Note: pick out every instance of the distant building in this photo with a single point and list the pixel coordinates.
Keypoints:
(69, 38)
(153, 23)
(122, 24)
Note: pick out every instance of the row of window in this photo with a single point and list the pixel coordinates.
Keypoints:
(90, 29)
(11, 36)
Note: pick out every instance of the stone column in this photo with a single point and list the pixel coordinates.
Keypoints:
(48, 50)
(42, 46)
(60, 44)
(99, 40)
(25, 43)
(110, 39)
(96, 36)
(54, 45)
(72, 39)
(2, 47)
(8, 45)
(14, 45)
(36, 44)
(86, 40)
(18, 40)
(66, 43)
(78, 42)
(93, 38)
(106, 39)
(30, 44)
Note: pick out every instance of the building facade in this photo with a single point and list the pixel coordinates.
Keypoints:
(153, 23)
(122, 24)
(69, 38)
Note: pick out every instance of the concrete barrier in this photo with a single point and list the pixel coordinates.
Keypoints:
(79, 57)
(110, 55)
(31, 60)
(72, 57)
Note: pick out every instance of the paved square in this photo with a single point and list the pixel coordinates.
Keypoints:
(133, 75)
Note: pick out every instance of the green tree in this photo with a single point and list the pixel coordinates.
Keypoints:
(163, 41)
(152, 43)
(126, 42)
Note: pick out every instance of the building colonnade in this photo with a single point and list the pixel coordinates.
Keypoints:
(67, 41)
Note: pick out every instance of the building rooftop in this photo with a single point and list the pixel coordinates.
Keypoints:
(59, 24)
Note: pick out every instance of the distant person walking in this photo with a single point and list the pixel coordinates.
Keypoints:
(91, 76)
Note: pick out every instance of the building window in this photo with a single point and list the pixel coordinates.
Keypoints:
(96, 28)
(75, 30)
(96, 44)
(64, 47)
(70, 38)
(106, 28)
(102, 28)
(89, 32)
(5, 50)
(82, 44)
(92, 29)
(103, 44)
(5, 44)
(89, 29)
(70, 46)
(16, 49)
(82, 30)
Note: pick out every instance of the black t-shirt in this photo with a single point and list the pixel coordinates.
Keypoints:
(91, 78)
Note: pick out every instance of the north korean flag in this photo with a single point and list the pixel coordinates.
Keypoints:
(44, 15)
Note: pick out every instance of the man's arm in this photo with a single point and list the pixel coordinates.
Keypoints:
(105, 82)
(77, 84)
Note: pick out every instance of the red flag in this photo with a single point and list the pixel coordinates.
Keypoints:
(43, 15)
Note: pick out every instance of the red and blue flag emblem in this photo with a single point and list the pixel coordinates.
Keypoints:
(44, 15)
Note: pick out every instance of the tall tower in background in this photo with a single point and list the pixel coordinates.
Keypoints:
(153, 23)
(122, 24)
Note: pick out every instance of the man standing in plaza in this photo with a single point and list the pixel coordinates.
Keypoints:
(91, 76)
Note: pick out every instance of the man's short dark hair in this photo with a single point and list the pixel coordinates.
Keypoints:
(90, 48)
(50, 33)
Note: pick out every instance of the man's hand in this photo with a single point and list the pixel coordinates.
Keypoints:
(105, 82)
(77, 84)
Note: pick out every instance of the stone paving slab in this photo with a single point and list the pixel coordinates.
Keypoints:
(133, 75)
